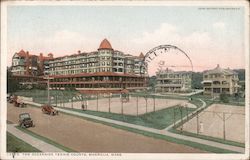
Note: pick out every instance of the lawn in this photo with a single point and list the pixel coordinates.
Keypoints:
(15, 144)
(40, 96)
(158, 119)
(232, 101)
(208, 138)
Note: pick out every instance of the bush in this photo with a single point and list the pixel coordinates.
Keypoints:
(224, 98)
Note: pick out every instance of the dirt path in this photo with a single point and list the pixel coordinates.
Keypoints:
(86, 136)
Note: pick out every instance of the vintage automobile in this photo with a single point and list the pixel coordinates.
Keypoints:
(25, 120)
(11, 98)
(48, 109)
(18, 102)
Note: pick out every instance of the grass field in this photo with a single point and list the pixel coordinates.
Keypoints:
(15, 144)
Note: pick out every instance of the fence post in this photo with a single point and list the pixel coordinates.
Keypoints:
(197, 118)
(87, 102)
(72, 103)
(137, 105)
(154, 103)
(224, 126)
(181, 118)
(187, 112)
(174, 117)
(109, 102)
(56, 99)
(97, 102)
(122, 106)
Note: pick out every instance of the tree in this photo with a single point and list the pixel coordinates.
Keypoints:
(224, 97)
(152, 82)
(197, 78)
(241, 74)
(12, 84)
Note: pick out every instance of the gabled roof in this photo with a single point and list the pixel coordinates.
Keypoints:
(141, 55)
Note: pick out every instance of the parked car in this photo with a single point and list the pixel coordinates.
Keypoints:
(18, 102)
(8, 97)
(25, 120)
(48, 109)
(12, 99)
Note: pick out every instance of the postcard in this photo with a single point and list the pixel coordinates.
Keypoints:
(124, 80)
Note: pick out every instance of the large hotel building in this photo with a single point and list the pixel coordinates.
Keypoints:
(219, 80)
(173, 81)
(104, 70)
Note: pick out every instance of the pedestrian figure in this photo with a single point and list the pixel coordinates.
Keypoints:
(201, 127)
(83, 107)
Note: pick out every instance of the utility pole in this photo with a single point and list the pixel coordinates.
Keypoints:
(48, 86)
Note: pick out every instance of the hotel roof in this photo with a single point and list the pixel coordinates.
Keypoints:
(219, 70)
(105, 45)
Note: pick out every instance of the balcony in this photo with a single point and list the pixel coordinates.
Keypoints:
(168, 85)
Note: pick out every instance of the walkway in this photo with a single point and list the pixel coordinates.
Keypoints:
(35, 142)
(198, 91)
(152, 130)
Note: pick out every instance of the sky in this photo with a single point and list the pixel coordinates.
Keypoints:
(208, 36)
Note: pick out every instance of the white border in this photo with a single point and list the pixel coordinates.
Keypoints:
(4, 5)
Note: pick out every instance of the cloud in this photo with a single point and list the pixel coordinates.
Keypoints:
(219, 25)
(59, 43)
(166, 32)
(194, 43)
(204, 48)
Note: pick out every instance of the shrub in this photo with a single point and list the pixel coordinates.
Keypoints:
(224, 98)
